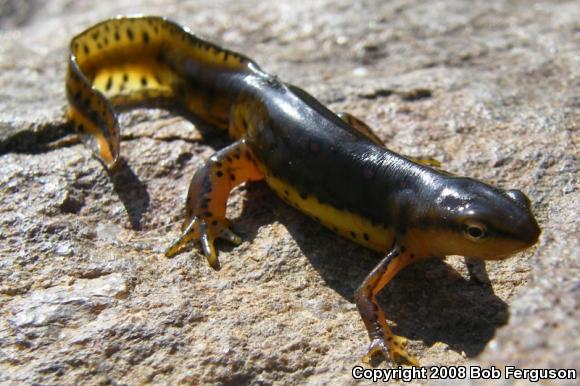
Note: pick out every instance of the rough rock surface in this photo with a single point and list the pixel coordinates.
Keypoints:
(490, 88)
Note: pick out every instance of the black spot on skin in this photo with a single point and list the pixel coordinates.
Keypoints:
(412, 256)
(206, 180)
(81, 127)
(208, 214)
(99, 46)
(107, 29)
(214, 223)
(204, 205)
(109, 83)
(106, 41)
(237, 156)
(335, 229)
(95, 35)
(225, 56)
(366, 236)
(368, 173)
(248, 155)
(125, 77)
(129, 34)
(156, 29)
(117, 36)
(314, 147)
(232, 177)
(218, 164)
(403, 249)
(389, 338)
(303, 195)
(180, 91)
(245, 125)
(219, 173)
(353, 234)
(286, 192)
(86, 48)
(229, 158)
(77, 95)
(143, 81)
(145, 37)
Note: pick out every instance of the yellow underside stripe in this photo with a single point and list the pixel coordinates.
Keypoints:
(347, 224)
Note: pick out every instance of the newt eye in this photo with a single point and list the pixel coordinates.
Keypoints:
(474, 230)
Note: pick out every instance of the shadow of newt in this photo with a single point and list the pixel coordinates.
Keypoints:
(428, 301)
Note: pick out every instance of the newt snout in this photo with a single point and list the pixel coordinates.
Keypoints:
(524, 225)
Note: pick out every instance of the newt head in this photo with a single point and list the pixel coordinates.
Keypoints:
(477, 220)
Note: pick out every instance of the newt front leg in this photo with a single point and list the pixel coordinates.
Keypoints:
(205, 211)
(383, 341)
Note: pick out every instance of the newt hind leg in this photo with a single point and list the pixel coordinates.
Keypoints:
(205, 211)
(364, 129)
(383, 341)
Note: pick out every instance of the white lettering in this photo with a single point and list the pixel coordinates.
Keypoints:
(535, 375)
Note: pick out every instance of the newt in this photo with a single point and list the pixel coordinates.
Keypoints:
(332, 167)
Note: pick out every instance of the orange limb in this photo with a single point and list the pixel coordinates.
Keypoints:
(361, 127)
(205, 211)
(383, 341)
(365, 130)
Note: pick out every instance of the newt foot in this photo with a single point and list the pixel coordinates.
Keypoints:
(393, 349)
(204, 232)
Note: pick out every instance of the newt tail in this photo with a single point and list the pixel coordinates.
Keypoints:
(132, 61)
(332, 167)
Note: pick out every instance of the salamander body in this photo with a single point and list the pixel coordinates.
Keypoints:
(331, 167)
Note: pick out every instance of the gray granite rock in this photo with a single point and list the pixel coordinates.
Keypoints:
(490, 88)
